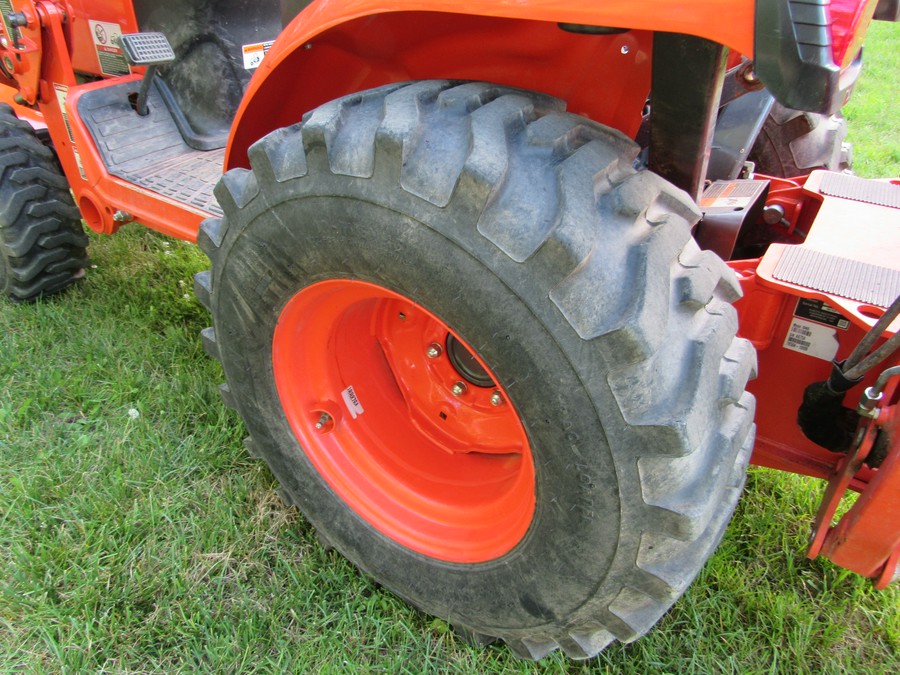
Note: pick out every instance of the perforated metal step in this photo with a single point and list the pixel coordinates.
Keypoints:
(149, 151)
(144, 49)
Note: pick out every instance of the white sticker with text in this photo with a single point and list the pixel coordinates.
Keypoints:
(253, 54)
(813, 339)
(352, 402)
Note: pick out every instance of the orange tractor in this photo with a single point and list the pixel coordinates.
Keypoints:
(491, 281)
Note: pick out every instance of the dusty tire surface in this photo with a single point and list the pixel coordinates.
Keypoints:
(575, 279)
(42, 242)
(793, 143)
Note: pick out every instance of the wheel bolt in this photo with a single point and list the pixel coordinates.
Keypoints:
(434, 350)
(459, 389)
(323, 421)
(496, 398)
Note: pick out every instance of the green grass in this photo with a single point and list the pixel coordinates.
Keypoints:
(872, 113)
(136, 535)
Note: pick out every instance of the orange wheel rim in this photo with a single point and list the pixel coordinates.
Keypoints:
(405, 423)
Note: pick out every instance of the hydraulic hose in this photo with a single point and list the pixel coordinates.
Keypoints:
(822, 416)
(858, 364)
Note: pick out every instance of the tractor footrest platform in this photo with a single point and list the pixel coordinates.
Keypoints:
(149, 151)
(877, 192)
(852, 251)
(860, 281)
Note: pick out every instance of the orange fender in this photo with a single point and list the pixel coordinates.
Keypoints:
(336, 47)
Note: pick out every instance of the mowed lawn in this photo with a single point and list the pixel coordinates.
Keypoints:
(137, 535)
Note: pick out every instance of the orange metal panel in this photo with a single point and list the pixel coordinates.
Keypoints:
(869, 533)
(336, 47)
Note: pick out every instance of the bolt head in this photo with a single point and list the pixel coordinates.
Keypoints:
(323, 421)
(459, 389)
(4, 43)
(496, 399)
(773, 214)
(434, 350)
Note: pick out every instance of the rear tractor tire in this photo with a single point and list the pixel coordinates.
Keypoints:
(42, 243)
(794, 143)
(485, 358)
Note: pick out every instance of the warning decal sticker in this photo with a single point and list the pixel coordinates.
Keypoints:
(253, 54)
(728, 195)
(61, 92)
(78, 162)
(109, 54)
(812, 339)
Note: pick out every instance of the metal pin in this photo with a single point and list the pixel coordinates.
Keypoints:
(323, 421)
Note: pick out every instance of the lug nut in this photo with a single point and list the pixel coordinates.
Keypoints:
(323, 421)
(459, 389)
(496, 398)
(434, 350)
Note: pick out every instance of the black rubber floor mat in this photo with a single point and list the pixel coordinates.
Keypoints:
(149, 151)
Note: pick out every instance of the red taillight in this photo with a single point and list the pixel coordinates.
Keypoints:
(849, 23)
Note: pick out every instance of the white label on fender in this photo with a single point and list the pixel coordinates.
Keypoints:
(811, 338)
(352, 402)
(253, 54)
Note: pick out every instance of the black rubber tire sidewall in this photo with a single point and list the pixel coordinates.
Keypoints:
(42, 241)
(575, 529)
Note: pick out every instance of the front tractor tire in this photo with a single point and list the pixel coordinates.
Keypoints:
(485, 358)
(42, 243)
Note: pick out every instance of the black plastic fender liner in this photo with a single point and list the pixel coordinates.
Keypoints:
(887, 10)
(793, 57)
(206, 82)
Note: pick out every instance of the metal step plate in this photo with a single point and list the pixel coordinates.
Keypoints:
(852, 250)
(859, 189)
(860, 281)
(146, 49)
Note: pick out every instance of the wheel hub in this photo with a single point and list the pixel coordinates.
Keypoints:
(375, 388)
(467, 364)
